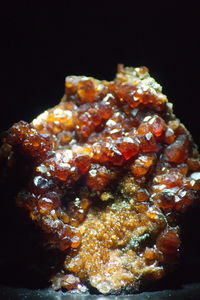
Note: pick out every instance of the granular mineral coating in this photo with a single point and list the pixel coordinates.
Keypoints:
(108, 172)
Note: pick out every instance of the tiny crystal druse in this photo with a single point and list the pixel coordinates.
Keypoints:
(110, 171)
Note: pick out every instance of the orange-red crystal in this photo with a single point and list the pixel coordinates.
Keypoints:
(111, 170)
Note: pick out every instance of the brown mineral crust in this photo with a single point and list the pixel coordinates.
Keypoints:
(112, 171)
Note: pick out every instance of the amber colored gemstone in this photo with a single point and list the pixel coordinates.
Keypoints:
(40, 184)
(107, 152)
(166, 200)
(157, 125)
(98, 177)
(178, 151)
(71, 85)
(29, 139)
(86, 90)
(64, 243)
(76, 241)
(62, 173)
(193, 164)
(168, 242)
(125, 92)
(142, 195)
(128, 147)
(138, 170)
(83, 163)
(170, 179)
(107, 174)
(106, 106)
(142, 164)
(169, 136)
(48, 202)
(116, 158)
(150, 254)
(64, 217)
(148, 143)
(143, 128)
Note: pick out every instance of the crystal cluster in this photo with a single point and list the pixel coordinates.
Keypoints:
(110, 170)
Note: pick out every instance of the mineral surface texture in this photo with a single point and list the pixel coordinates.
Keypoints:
(108, 172)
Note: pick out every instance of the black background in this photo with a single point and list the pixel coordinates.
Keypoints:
(41, 42)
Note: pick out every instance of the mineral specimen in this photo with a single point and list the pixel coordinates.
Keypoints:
(108, 172)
